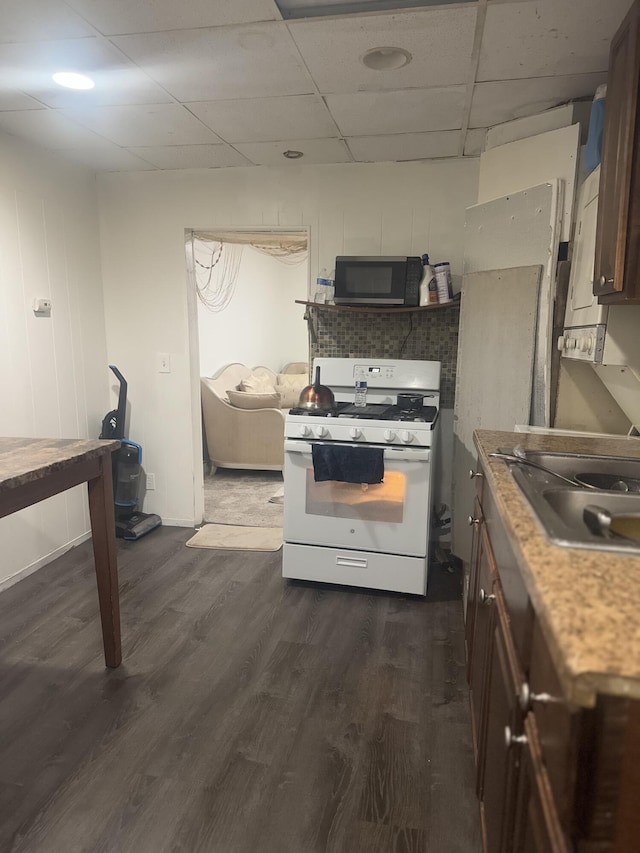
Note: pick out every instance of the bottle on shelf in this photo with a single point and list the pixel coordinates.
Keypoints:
(428, 285)
(360, 398)
(324, 289)
(443, 279)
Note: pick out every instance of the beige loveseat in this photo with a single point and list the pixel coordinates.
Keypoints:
(245, 429)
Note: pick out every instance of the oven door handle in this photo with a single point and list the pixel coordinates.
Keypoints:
(391, 454)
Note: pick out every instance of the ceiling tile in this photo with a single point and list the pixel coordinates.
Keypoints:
(504, 100)
(107, 158)
(265, 119)
(440, 42)
(315, 151)
(222, 63)
(409, 146)
(191, 156)
(10, 99)
(411, 111)
(158, 124)
(33, 20)
(48, 128)
(474, 141)
(538, 38)
(113, 17)
(28, 67)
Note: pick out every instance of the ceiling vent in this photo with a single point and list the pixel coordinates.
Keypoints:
(322, 8)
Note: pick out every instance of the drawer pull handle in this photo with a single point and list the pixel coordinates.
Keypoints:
(485, 598)
(604, 281)
(511, 740)
(473, 521)
(526, 698)
(473, 474)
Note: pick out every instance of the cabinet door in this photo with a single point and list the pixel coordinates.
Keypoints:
(617, 277)
(500, 752)
(483, 607)
(536, 829)
(472, 593)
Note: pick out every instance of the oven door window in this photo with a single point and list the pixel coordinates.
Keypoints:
(390, 517)
(382, 502)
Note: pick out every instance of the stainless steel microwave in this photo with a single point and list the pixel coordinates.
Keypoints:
(377, 280)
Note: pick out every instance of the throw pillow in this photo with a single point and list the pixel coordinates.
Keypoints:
(257, 385)
(292, 380)
(248, 400)
(288, 396)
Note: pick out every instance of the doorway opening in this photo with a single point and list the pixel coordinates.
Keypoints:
(246, 331)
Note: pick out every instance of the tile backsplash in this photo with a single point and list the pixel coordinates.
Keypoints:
(429, 335)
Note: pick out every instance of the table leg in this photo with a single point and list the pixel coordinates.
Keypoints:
(103, 532)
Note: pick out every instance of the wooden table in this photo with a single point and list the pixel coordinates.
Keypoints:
(32, 469)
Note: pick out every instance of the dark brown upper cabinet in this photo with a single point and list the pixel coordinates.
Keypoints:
(617, 262)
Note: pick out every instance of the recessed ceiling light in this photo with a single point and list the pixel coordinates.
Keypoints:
(293, 155)
(386, 58)
(72, 80)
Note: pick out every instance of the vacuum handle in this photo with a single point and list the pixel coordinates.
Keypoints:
(122, 402)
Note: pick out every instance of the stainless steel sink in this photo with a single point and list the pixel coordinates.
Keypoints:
(559, 509)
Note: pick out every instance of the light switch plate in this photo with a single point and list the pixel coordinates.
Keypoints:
(163, 362)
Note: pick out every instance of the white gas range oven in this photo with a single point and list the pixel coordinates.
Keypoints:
(365, 534)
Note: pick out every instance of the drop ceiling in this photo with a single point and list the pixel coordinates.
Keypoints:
(216, 83)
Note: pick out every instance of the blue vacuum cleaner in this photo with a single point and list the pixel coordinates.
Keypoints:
(126, 463)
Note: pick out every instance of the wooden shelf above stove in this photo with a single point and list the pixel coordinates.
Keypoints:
(455, 303)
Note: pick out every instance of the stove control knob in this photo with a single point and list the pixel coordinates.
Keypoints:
(304, 430)
(354, 432)
(406, 437)
(571, 343)
(389, 435)
(583, 345)
(321, 431)
(561, 343)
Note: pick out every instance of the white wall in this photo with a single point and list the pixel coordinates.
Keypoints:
(263, 308)
(388, 208)
(52, 369)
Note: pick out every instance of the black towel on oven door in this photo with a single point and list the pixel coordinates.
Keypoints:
(347, 464)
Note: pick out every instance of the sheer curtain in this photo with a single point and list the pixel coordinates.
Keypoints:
(213, 259)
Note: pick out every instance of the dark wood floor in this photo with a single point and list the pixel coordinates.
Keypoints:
(250, 715)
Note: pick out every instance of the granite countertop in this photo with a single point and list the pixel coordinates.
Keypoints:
(24, 460)
(586, 601)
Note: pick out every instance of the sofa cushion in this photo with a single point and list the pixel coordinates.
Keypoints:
(250, 400)
(256, 384)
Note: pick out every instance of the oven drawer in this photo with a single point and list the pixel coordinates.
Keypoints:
(355, 568)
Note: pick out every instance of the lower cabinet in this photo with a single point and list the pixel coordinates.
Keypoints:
(552, 777)
(536, 828)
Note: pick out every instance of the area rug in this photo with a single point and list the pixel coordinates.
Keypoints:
(243, 497)
(229, 537)
(278, 498)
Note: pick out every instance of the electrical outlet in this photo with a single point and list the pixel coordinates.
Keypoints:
(151, 482)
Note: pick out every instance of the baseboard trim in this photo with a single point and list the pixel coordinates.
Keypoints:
(178, 522)
(43, 561)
